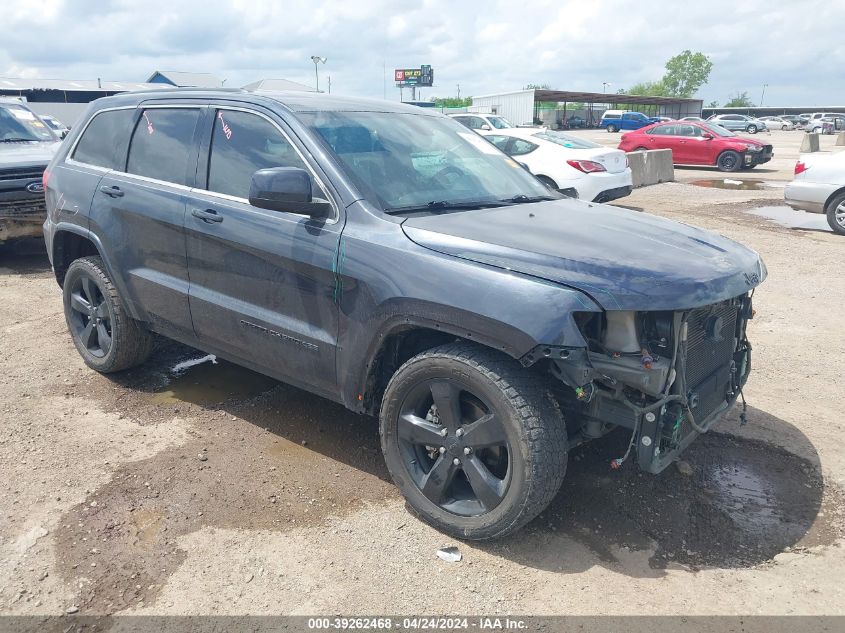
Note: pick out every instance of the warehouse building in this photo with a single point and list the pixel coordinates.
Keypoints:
(65, 99)
(555, 107)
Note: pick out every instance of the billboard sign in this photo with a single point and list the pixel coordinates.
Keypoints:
(422, 76)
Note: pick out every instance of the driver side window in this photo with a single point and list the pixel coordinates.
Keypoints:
(241, 144)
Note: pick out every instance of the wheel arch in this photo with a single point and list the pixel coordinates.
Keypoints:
(70, 242)
(833, 195)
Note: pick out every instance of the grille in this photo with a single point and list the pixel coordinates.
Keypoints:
(710, 348)
(17, 208)
(22, 173)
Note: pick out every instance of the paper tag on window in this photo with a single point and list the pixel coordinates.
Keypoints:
(480, 143)
(23, 115)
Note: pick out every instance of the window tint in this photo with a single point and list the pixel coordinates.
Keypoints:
(688, 130)
(499, 141)
(241, 144)
(663, 130)
(572, 142)
(161, 146)
(612, 116)
(500, 123)
(100, 140)
(521, 147)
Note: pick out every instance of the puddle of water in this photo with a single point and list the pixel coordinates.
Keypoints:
(790, 218)
(745, 497)
(737, 185)
(207, 381)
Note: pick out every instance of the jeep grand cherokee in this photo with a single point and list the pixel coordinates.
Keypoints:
(385, 257)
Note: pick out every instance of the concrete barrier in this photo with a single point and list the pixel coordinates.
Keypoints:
(810, 143)
(651, 167)
(840, 138)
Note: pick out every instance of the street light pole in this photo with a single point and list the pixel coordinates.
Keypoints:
(317, 60)
(763, 95)
(604, 85)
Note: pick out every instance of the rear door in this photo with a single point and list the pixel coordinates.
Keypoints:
(663, 137)
(141, 208)
(263, 283)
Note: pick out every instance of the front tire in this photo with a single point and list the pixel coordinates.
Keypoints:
(474, 441)
(751, 129)
(729, 161)
(612, 128)
(836, 214)
(107, 338)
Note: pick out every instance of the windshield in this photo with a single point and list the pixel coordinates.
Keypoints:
(718, 130)
(500, 123)
(566, 140)
(405, 161)
(20, 124)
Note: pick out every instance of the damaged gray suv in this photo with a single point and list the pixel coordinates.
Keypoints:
(385, 257)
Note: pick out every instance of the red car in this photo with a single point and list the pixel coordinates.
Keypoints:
(699, 143)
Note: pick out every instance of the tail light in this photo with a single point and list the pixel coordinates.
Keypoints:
(45, 178)
(800, 167)
(586, 166)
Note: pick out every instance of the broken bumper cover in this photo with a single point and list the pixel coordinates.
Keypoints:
(22, 218)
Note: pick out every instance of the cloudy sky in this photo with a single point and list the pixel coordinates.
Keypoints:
(797, 48)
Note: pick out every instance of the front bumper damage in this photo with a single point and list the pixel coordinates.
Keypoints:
(668, 394)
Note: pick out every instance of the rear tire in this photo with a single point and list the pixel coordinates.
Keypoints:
(729, 161)
(612, 128)
(836, 214)
(107, 338)
(485, 461)
(641, 149)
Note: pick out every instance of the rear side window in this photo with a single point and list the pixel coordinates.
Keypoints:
(103, 142)
(499, 141)
(521, 147)
(162, 146)
(663, 130)
(612, 116)
(241, 144)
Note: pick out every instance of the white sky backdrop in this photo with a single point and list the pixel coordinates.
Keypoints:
(797, 48)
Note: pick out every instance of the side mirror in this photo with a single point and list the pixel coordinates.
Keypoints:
(486, 127)
(707, 137)
(64, 134)
(287, 189)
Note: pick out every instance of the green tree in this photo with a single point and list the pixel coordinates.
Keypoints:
(739, 100)
(452, 102)
(713, 104)
(647, 89)
(537, 87)
(686, 72)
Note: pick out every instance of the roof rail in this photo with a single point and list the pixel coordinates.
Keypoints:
(183, 89)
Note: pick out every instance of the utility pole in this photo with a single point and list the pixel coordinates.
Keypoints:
(330, 84)
(762, 96)
(459, 91)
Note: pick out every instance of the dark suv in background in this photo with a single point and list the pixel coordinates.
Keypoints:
(26, 146)
(387, 258)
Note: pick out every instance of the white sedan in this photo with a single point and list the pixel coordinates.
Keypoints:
(572, 165)
(819, 187)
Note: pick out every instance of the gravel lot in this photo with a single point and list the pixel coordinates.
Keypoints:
(215, 490)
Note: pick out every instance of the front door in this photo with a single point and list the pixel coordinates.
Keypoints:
(262, 288)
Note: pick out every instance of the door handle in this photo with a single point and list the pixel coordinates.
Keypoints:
(114, 192)
(207, 215)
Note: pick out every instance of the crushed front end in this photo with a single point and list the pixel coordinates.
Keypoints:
(22, 205)
(666, 375)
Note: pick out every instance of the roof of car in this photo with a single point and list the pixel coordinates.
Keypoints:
(296, 101)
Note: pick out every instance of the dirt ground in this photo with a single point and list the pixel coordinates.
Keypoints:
(210, 489)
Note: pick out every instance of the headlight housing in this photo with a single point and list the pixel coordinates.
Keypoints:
(754, 148)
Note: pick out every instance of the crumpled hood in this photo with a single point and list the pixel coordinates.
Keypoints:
(624, 260)
(24, 154)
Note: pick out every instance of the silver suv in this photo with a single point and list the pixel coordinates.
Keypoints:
(739, 123)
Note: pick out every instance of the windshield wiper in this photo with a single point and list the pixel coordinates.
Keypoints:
(445, 205)
(521, 198)
(17, 140)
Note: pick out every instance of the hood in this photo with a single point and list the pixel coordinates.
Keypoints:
(27, 153)
(624, 260)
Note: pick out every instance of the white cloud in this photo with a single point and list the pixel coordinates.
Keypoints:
(495, 45)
